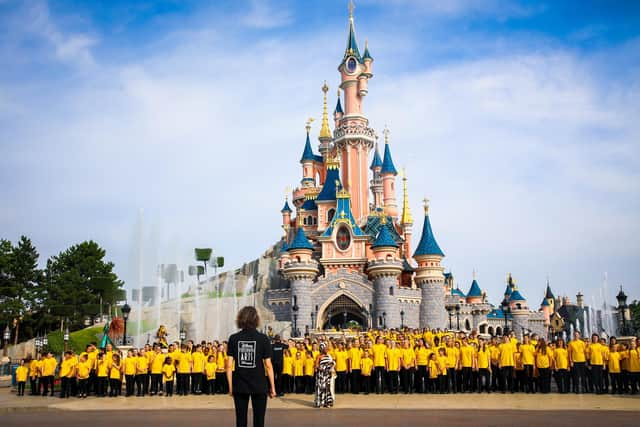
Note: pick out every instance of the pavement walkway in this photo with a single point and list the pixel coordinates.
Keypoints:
(9, 402)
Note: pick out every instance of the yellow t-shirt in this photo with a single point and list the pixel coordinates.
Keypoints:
(49, 367)
(21, 374)
(577, 349)
(379, 351)
(561, 355)
(614, 362)
(393, 359)
(483, 359)
(298, 367)
(528, 354)
(66, 368)
(287, 365)
(33, 369)
(442, 365)
(92, 358)
(495, 354)
(142, 365)
(84, 369)
(221, 361)
(156, 363)
(634, 360)
(168, 372)
(543, 358)
(433, 369)
(355, 355)
(408, 357)
(130, 364)
(367, 366)
(184, 363)
(210, 369)
(341, 360)
(102, 369)
(309, 368)
(596, 354)
(466, 356)
(507, 351)
(422, 356)
(453, 354)
(115, 372)
(198, 361)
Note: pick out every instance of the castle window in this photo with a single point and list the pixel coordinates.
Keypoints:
(330, 214)
(391, 290)
(304, 220)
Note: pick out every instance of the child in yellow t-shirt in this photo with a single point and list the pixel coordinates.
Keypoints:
(287, 372)
(21, 377)
(366, 365)
(102, 372)
(210, 368)
(82, 373)
(309, 372)
(168, 374)
(434, 371)
(115, 376)
(442, 370)
(298, 372)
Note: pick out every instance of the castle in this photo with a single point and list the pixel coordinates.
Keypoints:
(347, 254)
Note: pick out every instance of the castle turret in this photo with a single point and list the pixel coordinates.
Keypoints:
(474, 296)
(519, 313)
(430, 277)
(338, 113)
(384, 270)
(388, 173)
(307, 160)
(301, 271)
(407, 219)
(550, 298)
(286, 216)
(325, 132)
(545, 307)
(376, 180)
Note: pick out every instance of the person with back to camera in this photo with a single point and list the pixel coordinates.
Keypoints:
(251, 351)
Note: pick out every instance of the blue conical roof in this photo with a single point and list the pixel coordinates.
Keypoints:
(338, 107)
(366, 55)
(545, 303)
(387, 163)
(428, 244)
(457, 292)
(300, 241)
(516, 296)
(384, 239)
(307, 154)
(352, 44)
(377, 161)
(309, 205)
(508, 290)
(549, 294)
(286, 207)
(330, 185)
(474, 291)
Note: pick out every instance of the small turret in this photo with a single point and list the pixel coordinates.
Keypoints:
(474, 296)
(307, 160)
(338, 113)
(388, 173)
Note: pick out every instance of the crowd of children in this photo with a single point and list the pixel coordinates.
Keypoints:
(389, 361)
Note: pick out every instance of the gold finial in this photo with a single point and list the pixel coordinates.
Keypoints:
(325, 132)
(287, 190)
(425, 203)
(475, 274)
(351, 8)
(307, 124)
(386, 134)
(406, 210)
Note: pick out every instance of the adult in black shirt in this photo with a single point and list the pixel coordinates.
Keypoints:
(278, 348)
(252, 352)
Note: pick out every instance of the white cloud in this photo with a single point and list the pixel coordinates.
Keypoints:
(263, 14)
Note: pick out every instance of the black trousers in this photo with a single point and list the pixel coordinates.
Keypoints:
(130, 385)
(467, 380)
(168, 388)
(596, 374)
(156, 383)
(299, 384)
(64, 387)
(355, 381)
(142, 384)
(33, 383)
(451, 376)
(528, 378)
(394, 381)
(341, 382)
(495, 377)
(183, 384)
(258, 403)
(507, 378)
(21, 385)
(82, 386)
(102, 386)
(277, 378)
(421, 378)
(407, 380)
(616, 383)
(47, 382)
(579, 372)
(562, 380)
(484, 379)
(196, 383)
(545, 380)
(116, 387)
(366, 383)
(379, 374)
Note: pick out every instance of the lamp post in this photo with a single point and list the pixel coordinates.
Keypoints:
(7, 337)
(622, 310)
(450, 311)
(458, 315)
(401, 319)
(384, 320)
(344, 320)
(295, 309)
(38, 346)
(312, 318)
(45, 341)
(183, 335)
(65, 338)
(125, 316)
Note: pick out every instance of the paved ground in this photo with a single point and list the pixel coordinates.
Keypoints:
(326, 418)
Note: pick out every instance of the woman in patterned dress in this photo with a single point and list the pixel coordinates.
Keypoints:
(324, 370)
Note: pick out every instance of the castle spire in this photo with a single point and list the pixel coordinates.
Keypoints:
(325, 132)
(387, 163)
(407, 219)
(428, 244)
(352, 45)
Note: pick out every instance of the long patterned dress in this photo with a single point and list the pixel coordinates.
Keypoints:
(324, 397)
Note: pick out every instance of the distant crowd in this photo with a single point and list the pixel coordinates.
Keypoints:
(377, 361)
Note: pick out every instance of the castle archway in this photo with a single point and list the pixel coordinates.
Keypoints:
(342, 311)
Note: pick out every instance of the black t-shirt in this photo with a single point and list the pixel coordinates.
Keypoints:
(248, 349)
(278, 349)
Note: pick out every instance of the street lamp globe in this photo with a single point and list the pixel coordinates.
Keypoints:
(7, 333)
(183, 335)
(45, 341)
(125, 311)
(66, 334)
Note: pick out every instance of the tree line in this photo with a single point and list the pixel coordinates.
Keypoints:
(75, 286)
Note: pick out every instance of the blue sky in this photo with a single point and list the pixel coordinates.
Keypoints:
(519, 120)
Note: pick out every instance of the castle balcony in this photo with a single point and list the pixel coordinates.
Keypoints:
(353, 131)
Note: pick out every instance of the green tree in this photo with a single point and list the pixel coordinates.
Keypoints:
(20, 278)
(634, 308)
(80, 283)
